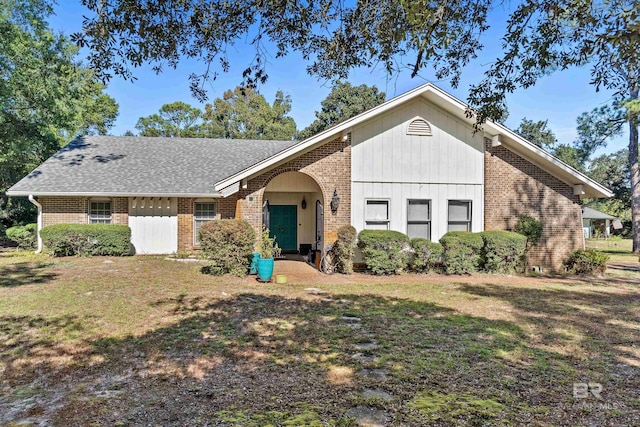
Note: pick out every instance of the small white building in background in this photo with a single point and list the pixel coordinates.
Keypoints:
(590, 215)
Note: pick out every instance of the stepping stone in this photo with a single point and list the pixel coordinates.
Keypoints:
(364, 358)
(315, 291)
(376, 374)
(376, 393)
(368, 417)
(366, 346)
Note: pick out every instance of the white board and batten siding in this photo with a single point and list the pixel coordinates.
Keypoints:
(388, 164)
(154, 224)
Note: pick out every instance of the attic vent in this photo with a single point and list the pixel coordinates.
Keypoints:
(419, 126)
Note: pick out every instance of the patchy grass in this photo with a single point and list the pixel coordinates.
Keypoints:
(141, 340)
(619, 250)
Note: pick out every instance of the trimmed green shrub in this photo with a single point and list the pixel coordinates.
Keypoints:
(462, 252)
(87, 239)
(228, 245)
(24, 236)
(589, 262)
(427, 255)
(503, 251)
(384, 251)
(530, 227)
(345, 248)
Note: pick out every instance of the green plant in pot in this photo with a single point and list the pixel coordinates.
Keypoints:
(268, 251)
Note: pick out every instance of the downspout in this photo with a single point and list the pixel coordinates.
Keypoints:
(584, 240)
(39, 206)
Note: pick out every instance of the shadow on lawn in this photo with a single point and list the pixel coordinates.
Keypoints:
(252, 354)
(26, 273)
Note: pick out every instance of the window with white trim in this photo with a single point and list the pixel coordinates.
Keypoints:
(377, 215)
(202, 212)
(419, 218)
(459, 215)
(100, 212)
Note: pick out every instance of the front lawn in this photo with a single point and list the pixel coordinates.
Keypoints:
(145, 341)
(619, 250)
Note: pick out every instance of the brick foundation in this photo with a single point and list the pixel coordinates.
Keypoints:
(514, 186)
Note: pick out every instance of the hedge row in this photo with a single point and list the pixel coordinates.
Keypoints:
(87, 239)
(459, 252)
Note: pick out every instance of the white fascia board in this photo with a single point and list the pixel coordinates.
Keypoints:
(322, 137)
(106, 194)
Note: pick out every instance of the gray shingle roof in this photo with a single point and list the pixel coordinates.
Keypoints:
(590, 213)
(144, 166)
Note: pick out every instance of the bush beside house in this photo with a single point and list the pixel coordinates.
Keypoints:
(87, 239)
(228, 244)
(23, 235)
(427, 255)
(384, 251)
(503, 251)
(345, 249)
(587, 262)
(462, 252)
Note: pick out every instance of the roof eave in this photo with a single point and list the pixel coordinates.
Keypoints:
(22, 193)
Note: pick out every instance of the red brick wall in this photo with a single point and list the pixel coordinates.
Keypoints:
(63, 210)
(514, 186)
(120, 210)
(329, 165)
(74, 210)
(225, 208)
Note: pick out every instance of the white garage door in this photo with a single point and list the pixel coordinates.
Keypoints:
(154, 224)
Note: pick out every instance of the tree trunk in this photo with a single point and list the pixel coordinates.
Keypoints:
(634, 177)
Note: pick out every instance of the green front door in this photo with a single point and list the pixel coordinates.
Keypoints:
(284, 226)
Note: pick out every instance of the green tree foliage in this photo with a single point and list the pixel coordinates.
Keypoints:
(343, 102)
(243, 113)
(537, 132)
(173, 120)
(612, 170)
(46, 97)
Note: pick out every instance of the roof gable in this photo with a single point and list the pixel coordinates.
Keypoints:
(583, 185)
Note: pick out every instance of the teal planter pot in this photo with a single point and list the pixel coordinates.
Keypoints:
(265, 269)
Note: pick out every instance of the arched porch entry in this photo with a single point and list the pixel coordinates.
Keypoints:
(293, 210)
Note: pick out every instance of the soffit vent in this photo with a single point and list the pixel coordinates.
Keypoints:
(419, 126)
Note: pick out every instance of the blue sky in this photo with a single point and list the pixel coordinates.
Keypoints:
(559, 98)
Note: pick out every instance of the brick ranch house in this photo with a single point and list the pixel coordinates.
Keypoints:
(412, 164)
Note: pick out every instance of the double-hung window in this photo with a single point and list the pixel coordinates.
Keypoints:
(203, 212)
(459, 215)
(419, 219)
(377, 215)
(99, 212)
